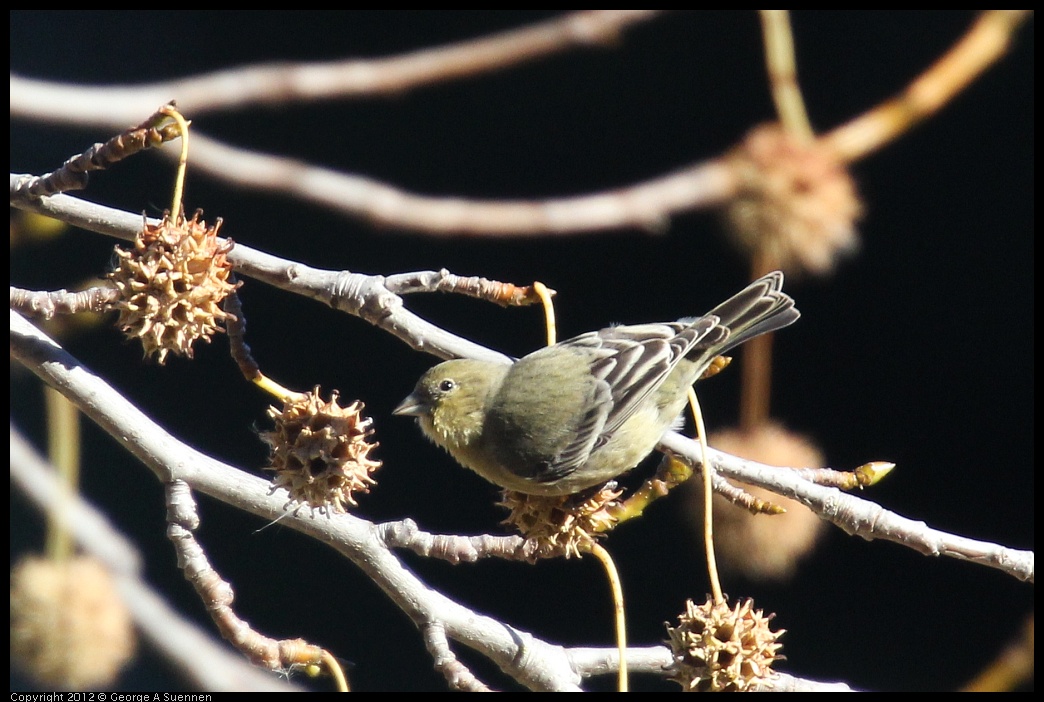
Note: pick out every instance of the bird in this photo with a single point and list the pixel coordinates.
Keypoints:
(579, 413)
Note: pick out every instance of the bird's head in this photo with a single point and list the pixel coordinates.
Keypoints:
(449, 401)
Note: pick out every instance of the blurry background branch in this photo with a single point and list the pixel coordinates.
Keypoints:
(192, 650)
(647, 205)
(280, 84)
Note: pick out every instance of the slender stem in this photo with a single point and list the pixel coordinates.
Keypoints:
(708, 506)
(618, 610)
(544, 293)
(332, 665)
(782, 73)
(756, 368)
(179, 182)
(63, 449)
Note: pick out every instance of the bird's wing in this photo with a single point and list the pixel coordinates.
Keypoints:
(628, 363)
(588, 433)
(641, 358)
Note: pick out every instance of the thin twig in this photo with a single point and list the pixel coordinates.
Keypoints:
(217, 594)
(73, 174)
(47, 303)
(453, 548)
(459, 677)
(503, 294)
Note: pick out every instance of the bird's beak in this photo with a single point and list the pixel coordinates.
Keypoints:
(412, 406)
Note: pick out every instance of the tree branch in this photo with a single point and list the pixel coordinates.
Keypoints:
(647, 206)
(856, 515)
(285, 83)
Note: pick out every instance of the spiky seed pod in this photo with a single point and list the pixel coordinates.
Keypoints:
(718, 648)
(559, 525)
(69, 628)
(320, 451)
(797, 202)
(172, 283)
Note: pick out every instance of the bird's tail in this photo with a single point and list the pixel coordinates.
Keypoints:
(759, 308)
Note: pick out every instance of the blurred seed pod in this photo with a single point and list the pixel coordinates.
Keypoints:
(760, 546)
(797, 204)
(69, 628)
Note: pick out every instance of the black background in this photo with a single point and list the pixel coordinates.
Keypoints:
(918, 351)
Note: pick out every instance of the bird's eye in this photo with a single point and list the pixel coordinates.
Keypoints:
(447, 385)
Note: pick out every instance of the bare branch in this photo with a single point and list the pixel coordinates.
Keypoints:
(283, 83)
(46, 304)
(647, 206)
(456, 549)
(856, 515)
(456, 673)
(217, 594)
(361, 295)
(503, 294)
(73, 174)
(985, 43)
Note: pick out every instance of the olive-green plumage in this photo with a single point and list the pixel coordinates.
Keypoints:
(579, 413)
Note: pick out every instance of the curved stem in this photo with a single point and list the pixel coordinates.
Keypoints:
(708, 505)
(179, 182)
(618, 610)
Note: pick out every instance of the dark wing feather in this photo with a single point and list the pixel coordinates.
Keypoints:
(629, 363)
(644, 356)
(759, 308)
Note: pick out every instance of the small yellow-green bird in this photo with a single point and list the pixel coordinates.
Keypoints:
(579, 413)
